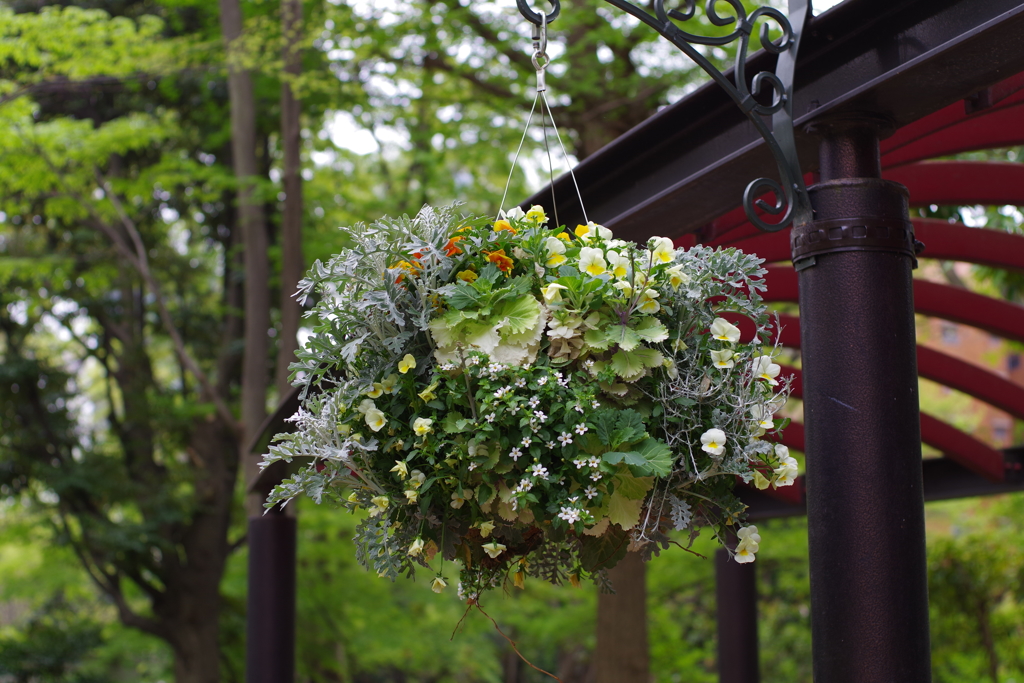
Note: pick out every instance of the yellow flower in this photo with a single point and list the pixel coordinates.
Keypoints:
(381, 502)
(619, 264)
(401, 469)
(552, 292)
(723, 358)
(564, 236)
(406, 364)
(375, 419)
(422, 426)
(411, 496)
(345, 429)
(592, 261)
(416, 547)
(762, 367)
(493, 549)
(416, 478)
(760, 481)
(366, 405)
(574, 579)
(722, 330)
(428, 394)
(648, 303)
(438, 585)
(375, 391)
(467, 276)
(503, 225)
(536, 214)
(556, 252)
(662, 249)
(519, 580)
(485, 528)
(583, 232)
(677, 277)
(389, 383)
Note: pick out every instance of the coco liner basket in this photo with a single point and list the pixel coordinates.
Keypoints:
(530, 401)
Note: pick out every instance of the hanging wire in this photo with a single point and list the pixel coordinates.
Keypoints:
(540, 62)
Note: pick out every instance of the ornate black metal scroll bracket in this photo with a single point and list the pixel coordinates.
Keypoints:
(791, 204)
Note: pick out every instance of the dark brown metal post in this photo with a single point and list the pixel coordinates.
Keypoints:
(270, 620)
(736, 611)
(865, 508)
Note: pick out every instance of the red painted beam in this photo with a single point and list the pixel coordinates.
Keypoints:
(942, 240)
(963, 448)
(947, 370)
(941, 301)
(961, 183)
(937, 134)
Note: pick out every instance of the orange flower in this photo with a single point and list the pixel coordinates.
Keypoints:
(500, 259)
(503, 225)
(410, 268)
(450, 249)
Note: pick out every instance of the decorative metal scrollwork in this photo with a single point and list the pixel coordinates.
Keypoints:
(791, 201)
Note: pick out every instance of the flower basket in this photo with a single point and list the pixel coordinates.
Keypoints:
(531, 401)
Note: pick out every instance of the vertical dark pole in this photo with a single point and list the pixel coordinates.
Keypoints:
(736, 600)
(270, 625)
(865, 507)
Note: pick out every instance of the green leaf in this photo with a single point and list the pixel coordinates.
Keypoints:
(464, 295)
(634, 488)
(629, 427)
(452, 422)
(657, 457)
(624, 337)
(623, 511)
(604, 551)
(651, 330)
(518, 315)
(597, 339)
(630, 365)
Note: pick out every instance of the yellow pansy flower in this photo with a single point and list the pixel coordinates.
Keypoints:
(406, 364)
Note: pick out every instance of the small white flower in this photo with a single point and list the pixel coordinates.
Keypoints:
(542, 381)
(515, 453)
(590, 492)
(714, 441)
(594, 462)
(527, 441)
(490, 417)
(570, 515)
(534, 402)
(578, 408)
(472, 466)
(540, 415)
(581, 429)
(539, 471)
(565, 438)
(550, 445)
(520, 382)
(580, 464)
(595, 404)
(596, 476)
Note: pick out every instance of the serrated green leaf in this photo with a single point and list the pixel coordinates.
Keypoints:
(632, 487)
(451, 422)
(597, 339)
(624, 337)
(623, 511)
(651, 330)
(517, 315)
(627, 365)
(629, 427)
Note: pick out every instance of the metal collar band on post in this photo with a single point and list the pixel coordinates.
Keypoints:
(852, 234)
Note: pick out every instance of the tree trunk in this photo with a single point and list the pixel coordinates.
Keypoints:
(621, 654)
(291, 219)
(254, 238)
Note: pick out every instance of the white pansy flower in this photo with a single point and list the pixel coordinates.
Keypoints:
(617, 263)
(723, 358)
(714, 441)
(723, 330)
(513, 214)
(762, 367)
(556, 251)
(592, 261)
(624, 287)
(676, 277)
(422, 426)
(416, 547)
(648, 303)
(438, 585)
(366, 405)
(763, 415)
(375, 419)
(553, 291)
(662, 249)
(748, 545)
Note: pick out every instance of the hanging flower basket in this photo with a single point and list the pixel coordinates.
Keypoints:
(530, 401)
